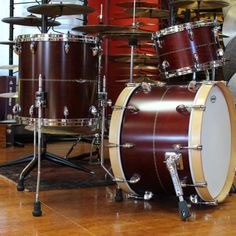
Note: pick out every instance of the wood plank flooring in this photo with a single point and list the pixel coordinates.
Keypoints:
(93, 211)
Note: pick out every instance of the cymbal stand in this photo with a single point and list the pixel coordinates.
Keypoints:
(133, 44)
(40, 101)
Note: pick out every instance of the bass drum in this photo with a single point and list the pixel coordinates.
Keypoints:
(146, 124)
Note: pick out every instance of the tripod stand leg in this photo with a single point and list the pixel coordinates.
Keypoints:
(25, 172)
(19, 161)
(55, 158)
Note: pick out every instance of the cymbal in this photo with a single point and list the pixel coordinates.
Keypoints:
(56, 10)
(9, 95)
(137, 76)
(204, 4)
(143, 45)
(9, 67)
(149, 12)
(229, 24)
(30, 20)
(142, 79)
(139, 67)
(128, 34)
(8, 42)
(138, 4)
(94, 29)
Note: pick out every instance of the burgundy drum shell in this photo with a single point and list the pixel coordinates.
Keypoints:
(154, 130)
(62, 74)
(176, 48)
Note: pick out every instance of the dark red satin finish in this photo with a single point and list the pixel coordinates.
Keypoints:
(178, 48)
(59, 71)
(154, 131)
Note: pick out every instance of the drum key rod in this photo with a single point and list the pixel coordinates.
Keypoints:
(171, 159)
(178, 147)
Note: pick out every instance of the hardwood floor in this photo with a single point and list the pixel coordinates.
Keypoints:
(93, 211)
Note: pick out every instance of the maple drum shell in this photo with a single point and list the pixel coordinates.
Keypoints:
(188, 48)
(68, 69)
(157, 125)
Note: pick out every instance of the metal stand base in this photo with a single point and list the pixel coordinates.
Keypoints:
(119, 195)
(50, 157)
(37, 209)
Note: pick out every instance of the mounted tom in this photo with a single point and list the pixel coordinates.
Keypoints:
(188, 48)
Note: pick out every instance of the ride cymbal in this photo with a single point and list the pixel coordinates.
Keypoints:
(9, 67)
(8, 43)
(128, 34)
(9, 95)
(30, 20)
(60, 9)
(95, 29)
(138, 4)
(204, 4)
(149, 12)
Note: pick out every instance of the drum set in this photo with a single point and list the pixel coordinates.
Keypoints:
(164, 138)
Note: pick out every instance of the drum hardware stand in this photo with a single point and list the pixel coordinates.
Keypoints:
(147, 196)
(194, 199)
(135, 178)
(171, 159)
(41, 100)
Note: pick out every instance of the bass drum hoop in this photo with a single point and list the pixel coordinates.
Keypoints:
(114, 137)
(195, 157)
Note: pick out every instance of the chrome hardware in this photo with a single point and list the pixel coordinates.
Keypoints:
(95, 51)
(16, 109)
(109, 102)
(130, 108)
(17, 49)
(125, 145)
(67, 48)
(165, 64)
(178, 147)
(196, 185)
(171, 158)
(197, 201)
(196, 61)
(220, 52)
(31, 110)
(190, 32)
(133, 180)
(183, 108)
(65, 112)
(192, 86)
(93, 110)
(33, 47)
(147, 196)
(146, 87)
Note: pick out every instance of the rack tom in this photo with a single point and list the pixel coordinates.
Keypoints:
(188, 48)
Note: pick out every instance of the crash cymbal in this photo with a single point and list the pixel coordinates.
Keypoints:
(8, 43)
(9, 67)
(60, 9)
(203, 4)
(128, 34)
(149, 12)
(30, 20)
(143, 45)
(143, 79)
(95, 29)
(135, 76)
(138, 4)
(9, 95)
(139, 67)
